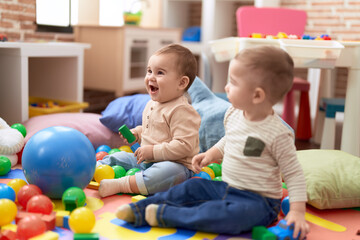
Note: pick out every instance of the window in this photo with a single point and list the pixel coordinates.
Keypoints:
(60, 15)
(56, 15)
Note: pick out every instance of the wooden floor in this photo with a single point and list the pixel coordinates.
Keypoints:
(303, 145)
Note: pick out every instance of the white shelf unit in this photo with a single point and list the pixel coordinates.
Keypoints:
(216, 19)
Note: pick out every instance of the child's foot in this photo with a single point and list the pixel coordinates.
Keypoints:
(110, 187)
(150, 215)
(125, 213)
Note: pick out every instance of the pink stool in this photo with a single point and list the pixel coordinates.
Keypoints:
(303, 128)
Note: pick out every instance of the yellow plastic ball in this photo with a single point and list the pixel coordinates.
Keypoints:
(126, 148)
(8, 211)
(82, 220)
(208, 171)
(103, 172)
(16, 184)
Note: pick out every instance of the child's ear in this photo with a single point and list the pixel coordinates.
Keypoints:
(184, 82)
(259, 95)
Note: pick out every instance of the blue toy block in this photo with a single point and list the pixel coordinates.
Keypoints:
(135, 146)
(283, 231)
(66, 222)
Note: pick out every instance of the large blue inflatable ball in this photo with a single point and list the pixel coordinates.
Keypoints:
(57, 158)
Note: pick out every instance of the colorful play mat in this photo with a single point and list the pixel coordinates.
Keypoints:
(336, 224)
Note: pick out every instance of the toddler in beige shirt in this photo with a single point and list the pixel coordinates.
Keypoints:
(169, 134)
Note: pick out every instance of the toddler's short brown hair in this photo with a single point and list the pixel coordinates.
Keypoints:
(186, 62)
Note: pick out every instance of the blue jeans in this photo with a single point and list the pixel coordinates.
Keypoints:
(209, 206)
(153, 177)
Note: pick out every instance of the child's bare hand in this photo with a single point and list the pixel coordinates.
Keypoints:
(200, 160)
(300, 225)
(144, 153)
(133, 132)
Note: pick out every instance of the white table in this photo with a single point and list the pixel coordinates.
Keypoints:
(48, 70)
(349, 57)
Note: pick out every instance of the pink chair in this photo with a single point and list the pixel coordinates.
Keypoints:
(271, 21)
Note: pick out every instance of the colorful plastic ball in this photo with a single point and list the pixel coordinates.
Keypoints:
(216, 168)
(82, 220)
(8, 211)
(132, 171)
(285, 193)
(19, 156)
(7, 192)
(203, 175)
(114, 150)
(285, 205)
(103, 172)
(119, 171)
(5, 165)
(78, 193)
(21, 128)
(219, 178)
(30, 226)
(101, 155)
(39, 204)
(26, 192)
(57, 158)
(16, 184)
(126, 148)
(103, 148)
(208, 171)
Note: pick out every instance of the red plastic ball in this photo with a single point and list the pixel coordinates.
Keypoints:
(26, 192)
(285, 193)
(39, 204)
(30, 226)
(101, 155)
(19, 155)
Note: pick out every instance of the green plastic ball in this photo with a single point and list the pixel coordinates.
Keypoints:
(119, 171)
(5, 165)
(114, 150)
(132, 171)
(78, 193)
(218, 179)
(216, 168)
(21, 128)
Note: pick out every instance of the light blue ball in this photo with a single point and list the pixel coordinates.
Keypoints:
(57, 158)
(103, 148)
(7, 192)
(203, 175)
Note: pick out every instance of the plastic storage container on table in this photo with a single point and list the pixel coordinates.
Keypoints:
(312, 53)
(305, 53)
(59, 106)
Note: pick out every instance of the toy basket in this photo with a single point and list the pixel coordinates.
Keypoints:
(41, 106)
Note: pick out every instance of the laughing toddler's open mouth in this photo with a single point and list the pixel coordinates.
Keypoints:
(153, 89)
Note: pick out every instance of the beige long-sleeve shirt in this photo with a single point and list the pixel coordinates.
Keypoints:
(257, 153)
(173, 129)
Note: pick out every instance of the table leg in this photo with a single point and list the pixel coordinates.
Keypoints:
(350, 140)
